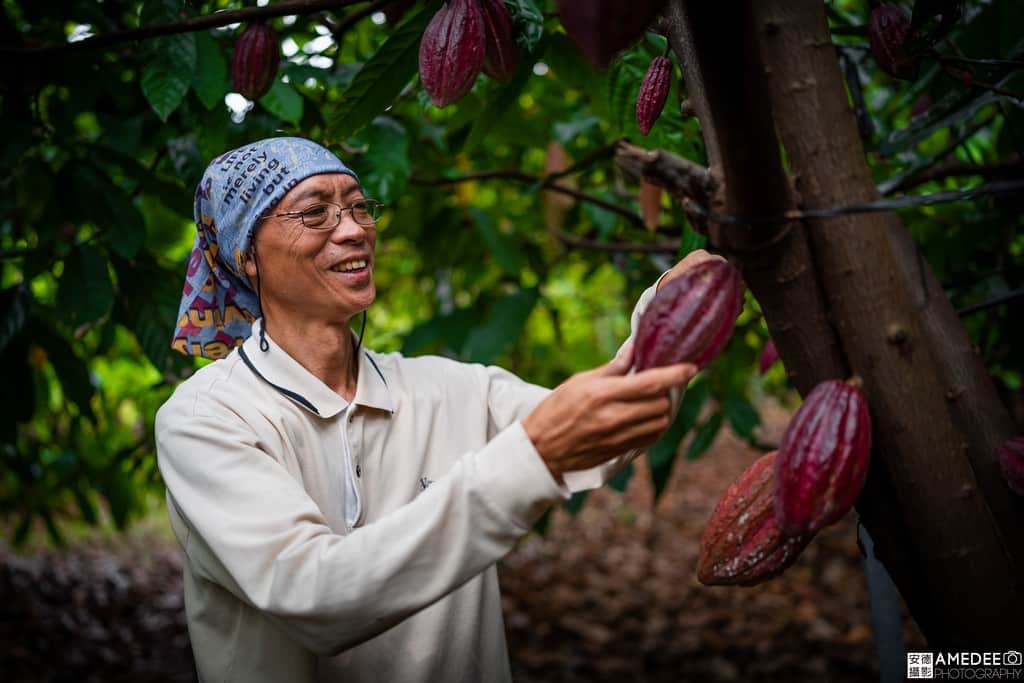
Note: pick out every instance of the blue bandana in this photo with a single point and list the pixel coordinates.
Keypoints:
(218, 303)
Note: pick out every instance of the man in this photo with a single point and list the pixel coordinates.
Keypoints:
(341, 511)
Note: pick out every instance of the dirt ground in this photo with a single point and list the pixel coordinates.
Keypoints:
(608, 595)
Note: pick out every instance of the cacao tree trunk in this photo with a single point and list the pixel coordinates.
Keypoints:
(763, 72)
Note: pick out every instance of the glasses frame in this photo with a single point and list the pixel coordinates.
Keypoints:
(340, 212)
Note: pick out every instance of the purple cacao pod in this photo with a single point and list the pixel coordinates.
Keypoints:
(500, 49)
(823, 458)
(769, 356)
(452, 51)
(888, 29)
(1011, 460)
(653, 93)
(691, 317)
(254, 63)
(742, 542)
(602, 28)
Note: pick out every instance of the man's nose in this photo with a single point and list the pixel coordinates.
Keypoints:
(348, 229)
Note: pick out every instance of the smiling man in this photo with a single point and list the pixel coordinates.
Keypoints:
(340, 511)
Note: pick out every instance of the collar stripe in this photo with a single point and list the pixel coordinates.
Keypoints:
(290, 394)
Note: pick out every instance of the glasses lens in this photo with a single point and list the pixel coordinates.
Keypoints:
(366, 211)
(316, 216)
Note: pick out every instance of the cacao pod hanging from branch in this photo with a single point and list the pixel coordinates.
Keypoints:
(888, 31)
(255, 61)
(1011, 460)
(653, 93)
(500, 50)
(452, 51)
(823, 458)
(742, 542)
(603, 28)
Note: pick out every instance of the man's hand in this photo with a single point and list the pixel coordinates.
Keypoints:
(689, 261)
(596, 415)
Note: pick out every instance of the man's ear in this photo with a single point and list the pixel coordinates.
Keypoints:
(250, 265)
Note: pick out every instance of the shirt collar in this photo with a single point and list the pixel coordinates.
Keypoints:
(293, 380)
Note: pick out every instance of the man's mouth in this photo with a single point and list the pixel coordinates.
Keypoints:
(353, 266)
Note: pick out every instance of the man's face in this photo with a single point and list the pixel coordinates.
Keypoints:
(306, 272)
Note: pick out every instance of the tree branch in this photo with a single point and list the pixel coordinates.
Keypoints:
(681, 177)
(544, 183)
(668, 247)
(1004, 169)
(248, 14)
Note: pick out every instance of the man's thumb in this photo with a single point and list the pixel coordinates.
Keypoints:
(619, 365)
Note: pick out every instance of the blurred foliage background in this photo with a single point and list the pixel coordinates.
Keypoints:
(476, 259)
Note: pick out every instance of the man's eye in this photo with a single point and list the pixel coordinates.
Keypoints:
(315, 212)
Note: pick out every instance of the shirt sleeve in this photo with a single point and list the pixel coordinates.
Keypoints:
(252, 528)
(510, 398)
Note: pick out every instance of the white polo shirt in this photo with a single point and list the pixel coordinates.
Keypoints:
(367, 555)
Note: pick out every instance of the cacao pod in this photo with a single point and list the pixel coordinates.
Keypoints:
(769, 356)
(452, 51)
(888, 30)
(742, 542)
(653, 93)
(1011, 460)
(255, 60)
(602, 28)
(500, 42)
(823, 458)
(691, 317)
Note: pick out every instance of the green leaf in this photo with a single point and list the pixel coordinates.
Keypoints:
(283, 101)
(742, 416)
(527, 23)
(451, 330)
(501, 246)
(624, 78)
(662, 454)
(621, 479)
(148, 305)
(210, 81)
(71, 370)
(382, 77)
(575, 503)
(85, 293)
(705, 435)
(386, 159)
(502, 328)
(86, 506)
(170, 60)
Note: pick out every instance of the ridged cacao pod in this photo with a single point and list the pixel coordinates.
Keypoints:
(653, 93)
(1011, 460)
(500, 41)
(888, 30)
(254, 63)
(602, 28)
(742, 542)
(769, 356)
(452, 51)
(691, 317)
(823, 458)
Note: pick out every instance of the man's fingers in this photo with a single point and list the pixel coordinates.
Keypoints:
(619, 365)
(653, 381)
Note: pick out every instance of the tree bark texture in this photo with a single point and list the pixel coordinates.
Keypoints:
(940, 515)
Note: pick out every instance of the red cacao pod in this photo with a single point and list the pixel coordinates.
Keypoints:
(254, 63)
(742, 542)
(602, 28)
(769, 356)
(500, 42)
(691, 317)
(653, 93)
(1011, 460)
(452, 51)
(888, 30)
(823, 458)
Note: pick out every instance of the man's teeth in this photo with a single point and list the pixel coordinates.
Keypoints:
(351, 265)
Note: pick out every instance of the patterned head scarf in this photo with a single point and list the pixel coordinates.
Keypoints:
(218, 303)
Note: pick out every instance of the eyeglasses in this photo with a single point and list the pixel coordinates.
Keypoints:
(327, 216)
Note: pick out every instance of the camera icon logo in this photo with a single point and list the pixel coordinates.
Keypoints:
(1012, 658)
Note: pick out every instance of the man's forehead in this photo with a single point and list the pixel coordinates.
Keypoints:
(328, 184)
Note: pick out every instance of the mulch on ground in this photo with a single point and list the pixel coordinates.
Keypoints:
(607, 595)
